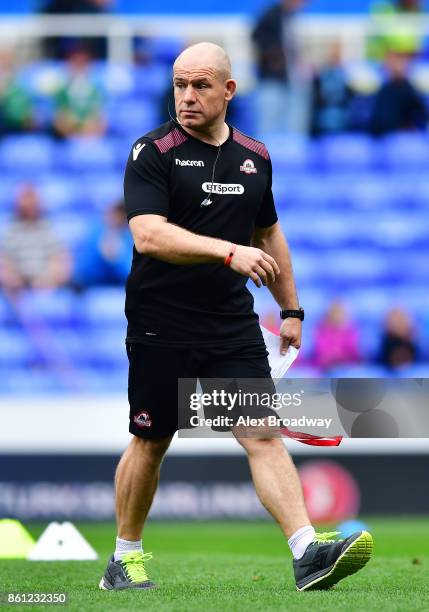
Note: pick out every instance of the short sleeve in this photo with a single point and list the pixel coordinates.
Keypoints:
(267, 214)
(146, 182)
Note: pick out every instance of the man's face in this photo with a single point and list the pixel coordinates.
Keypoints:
(293, 5)
(200, 95)
(27, 204)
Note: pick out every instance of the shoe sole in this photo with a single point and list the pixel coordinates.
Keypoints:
(354, 558)
(103, 586)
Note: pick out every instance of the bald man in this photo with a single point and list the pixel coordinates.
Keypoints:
(201, 211)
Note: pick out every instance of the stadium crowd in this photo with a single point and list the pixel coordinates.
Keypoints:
(71, 118)
(335, 97)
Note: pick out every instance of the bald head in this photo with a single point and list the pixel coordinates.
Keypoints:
(204, 55)
(203, 88)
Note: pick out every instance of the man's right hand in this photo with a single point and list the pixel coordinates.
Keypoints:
(256, 264)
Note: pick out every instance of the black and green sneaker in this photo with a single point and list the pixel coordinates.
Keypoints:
(127, 573)
(326, 561)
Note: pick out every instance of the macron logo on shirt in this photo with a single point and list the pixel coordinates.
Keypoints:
(189, 162)
(136, 150)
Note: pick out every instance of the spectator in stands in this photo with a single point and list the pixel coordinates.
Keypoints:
(398, 345)
(336, 340)
(79, 101)
(395, 34)
(282, 90)
(70, 7)
(330, 96)
(16, 112)
(31, 255)
(59, 47)
(105, 256)
(398, 106)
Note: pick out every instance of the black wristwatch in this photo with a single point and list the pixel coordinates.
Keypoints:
(292, 314)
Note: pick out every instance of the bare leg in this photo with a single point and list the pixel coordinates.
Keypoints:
(136, 481)
(276, 482)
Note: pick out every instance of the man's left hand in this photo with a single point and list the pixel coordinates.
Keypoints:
(290, 334)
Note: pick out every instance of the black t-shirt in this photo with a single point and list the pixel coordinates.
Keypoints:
(169, 173)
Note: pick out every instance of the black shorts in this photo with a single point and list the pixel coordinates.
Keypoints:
(153, 380)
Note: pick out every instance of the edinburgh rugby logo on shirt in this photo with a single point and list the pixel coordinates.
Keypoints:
(248, 167)
(223, 188)
(143, 419)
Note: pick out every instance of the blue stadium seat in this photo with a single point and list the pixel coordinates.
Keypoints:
(401, 191)
(97, 350)
(314, 300)
(133, 116)
(104, 306)
(306, 266)
(4, 309)
(370, 331)
(59, 193)
(348, 267)
(26, 155)
(359, 371)
(5, 218)
(242, 113)
(7, 316)
(289, 152)
(87, 154)
(406, 151)
(417, 370)
(29, 381)
(368, 303)
(307, 346)
(411, 265)
(74, 343)
(420, 188)
(105, 349)
(162, 49)
(92, 380)
(101, 191)
(399, 231)
(8, 189)
(360, 112)
(15, 348)
(44, 112)
(72, 229)
(418, 74)
(152, 81)
(56, 308)
(313, 191)
(42, 78)
(320, 231)
(114, 79)
(413, 296)
(372, 191)
(345, 152)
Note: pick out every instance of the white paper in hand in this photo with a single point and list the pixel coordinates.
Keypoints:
(279, 363)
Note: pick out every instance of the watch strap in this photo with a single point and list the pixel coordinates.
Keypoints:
(292, 314)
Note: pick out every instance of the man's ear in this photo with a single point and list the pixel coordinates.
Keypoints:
(230, 89)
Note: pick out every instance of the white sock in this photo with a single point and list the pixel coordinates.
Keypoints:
(126, 546)
(299, 541)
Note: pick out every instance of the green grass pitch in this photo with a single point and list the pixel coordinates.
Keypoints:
(233, 566)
